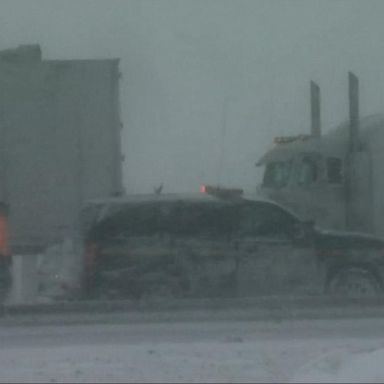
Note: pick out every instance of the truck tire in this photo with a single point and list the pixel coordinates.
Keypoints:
(353, 282)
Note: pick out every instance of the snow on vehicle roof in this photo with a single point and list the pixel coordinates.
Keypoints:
(190, 197)
(332, 143)
(282, 152)
(367, 124)
(152, 197)
(143, 197)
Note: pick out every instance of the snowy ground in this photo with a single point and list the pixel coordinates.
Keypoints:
(195, 351)
(289, 351)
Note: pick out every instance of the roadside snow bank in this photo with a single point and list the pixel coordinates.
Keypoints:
(231, 361)
(344, 366)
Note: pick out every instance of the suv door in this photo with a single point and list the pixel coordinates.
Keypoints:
(274, 254)
(134, 252)
(200, 233)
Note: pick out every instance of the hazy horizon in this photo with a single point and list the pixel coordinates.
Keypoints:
(208, 84)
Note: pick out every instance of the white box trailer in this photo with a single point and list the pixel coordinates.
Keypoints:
(60, 128)
(60, 146)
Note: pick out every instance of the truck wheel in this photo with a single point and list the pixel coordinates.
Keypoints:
(353, 282)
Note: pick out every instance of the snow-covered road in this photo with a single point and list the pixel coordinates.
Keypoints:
(232, 351)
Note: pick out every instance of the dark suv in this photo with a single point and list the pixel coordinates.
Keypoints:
(203, 246)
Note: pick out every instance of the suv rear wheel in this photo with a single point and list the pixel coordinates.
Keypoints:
(353, 282)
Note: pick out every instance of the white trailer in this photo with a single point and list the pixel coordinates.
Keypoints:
(60, 146)
(60, 140)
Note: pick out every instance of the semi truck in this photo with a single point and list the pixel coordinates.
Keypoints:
(335, 179)
(60, 143)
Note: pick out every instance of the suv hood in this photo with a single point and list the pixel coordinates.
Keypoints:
(347, 239)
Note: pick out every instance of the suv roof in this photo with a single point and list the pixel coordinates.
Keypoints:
(191, 197)
(101, 207)
(149, 197)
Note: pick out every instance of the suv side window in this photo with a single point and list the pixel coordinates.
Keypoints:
(199, 219)
(140, 219)
(179, 218)
(266, 221)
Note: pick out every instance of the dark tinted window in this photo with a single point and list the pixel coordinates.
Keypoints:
(307, 171)
(266, 220)
(201, 219)
(184, 218)
(178, 218)
(140, 219)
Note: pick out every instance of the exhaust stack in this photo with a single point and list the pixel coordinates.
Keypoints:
(315, 110)
(352, 160)
(353, 113)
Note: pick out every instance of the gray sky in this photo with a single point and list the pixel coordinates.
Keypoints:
(208, 84)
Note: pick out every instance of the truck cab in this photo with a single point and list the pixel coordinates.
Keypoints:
(306, 174)
(311, 175)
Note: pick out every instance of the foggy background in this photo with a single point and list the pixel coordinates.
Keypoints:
(206, 85)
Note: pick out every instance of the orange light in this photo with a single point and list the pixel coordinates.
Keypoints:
(220, 191)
